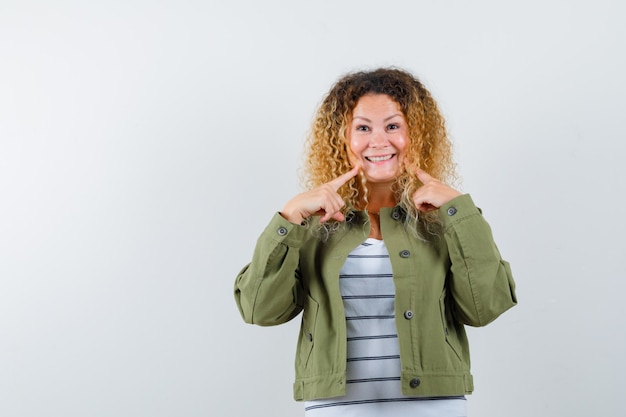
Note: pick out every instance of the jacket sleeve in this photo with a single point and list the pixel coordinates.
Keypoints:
(268, 290)
(481, 282)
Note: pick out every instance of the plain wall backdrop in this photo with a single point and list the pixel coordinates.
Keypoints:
(145, 144)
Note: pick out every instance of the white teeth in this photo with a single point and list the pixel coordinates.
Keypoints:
(379, 158)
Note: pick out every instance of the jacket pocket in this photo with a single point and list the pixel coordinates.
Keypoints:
(449, 327)
(307, 332)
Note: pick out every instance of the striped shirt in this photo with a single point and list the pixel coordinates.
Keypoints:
(373, 357)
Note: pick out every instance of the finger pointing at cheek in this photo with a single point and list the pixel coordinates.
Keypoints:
(323, 201)
(433, 194)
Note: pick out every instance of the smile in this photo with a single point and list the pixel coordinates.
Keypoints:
(379, 158)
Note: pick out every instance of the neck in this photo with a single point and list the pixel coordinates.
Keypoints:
(379, 196)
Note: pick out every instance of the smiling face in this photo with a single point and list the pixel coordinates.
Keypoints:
(378, 137)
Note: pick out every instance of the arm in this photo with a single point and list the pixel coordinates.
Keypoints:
(268, 290)
(481, 282)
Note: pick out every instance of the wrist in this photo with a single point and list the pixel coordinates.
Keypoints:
(291, 217)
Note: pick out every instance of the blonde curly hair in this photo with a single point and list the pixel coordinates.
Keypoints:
(429, 148)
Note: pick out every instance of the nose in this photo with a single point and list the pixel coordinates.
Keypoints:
(379, 139)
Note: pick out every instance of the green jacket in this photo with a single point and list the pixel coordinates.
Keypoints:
(442, 283)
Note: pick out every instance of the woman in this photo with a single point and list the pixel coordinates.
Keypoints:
(385, 260)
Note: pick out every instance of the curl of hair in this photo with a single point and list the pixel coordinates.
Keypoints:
(429, 148)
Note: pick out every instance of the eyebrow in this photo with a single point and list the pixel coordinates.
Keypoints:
(369, 121)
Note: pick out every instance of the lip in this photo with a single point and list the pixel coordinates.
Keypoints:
(379, 159)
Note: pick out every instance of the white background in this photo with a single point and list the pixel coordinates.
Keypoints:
(144, 145)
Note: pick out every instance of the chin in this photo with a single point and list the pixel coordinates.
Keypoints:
(378, 178)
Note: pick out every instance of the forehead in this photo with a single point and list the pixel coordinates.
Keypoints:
(377, 105)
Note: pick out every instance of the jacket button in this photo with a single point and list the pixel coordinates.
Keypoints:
(405, 254)
(415, 382)
(408, 314)
(451, 211)
(282, 231)
(395, 215)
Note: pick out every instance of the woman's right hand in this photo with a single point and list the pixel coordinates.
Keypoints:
(323, 200)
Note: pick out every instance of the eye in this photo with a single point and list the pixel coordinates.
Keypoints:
(393, 126)
(362, 128)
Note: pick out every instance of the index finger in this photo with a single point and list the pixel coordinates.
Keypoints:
(344, 178)
(423, 176)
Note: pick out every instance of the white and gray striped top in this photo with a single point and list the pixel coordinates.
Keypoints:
(373, 368)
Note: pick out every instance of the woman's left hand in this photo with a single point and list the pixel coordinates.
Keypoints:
(433, 194)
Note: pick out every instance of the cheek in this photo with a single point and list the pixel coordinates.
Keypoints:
(356, 146)
(352, 157)
(403, 145)
(353, 146)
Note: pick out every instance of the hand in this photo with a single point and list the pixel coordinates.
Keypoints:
(323, 200)
(433, 194)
